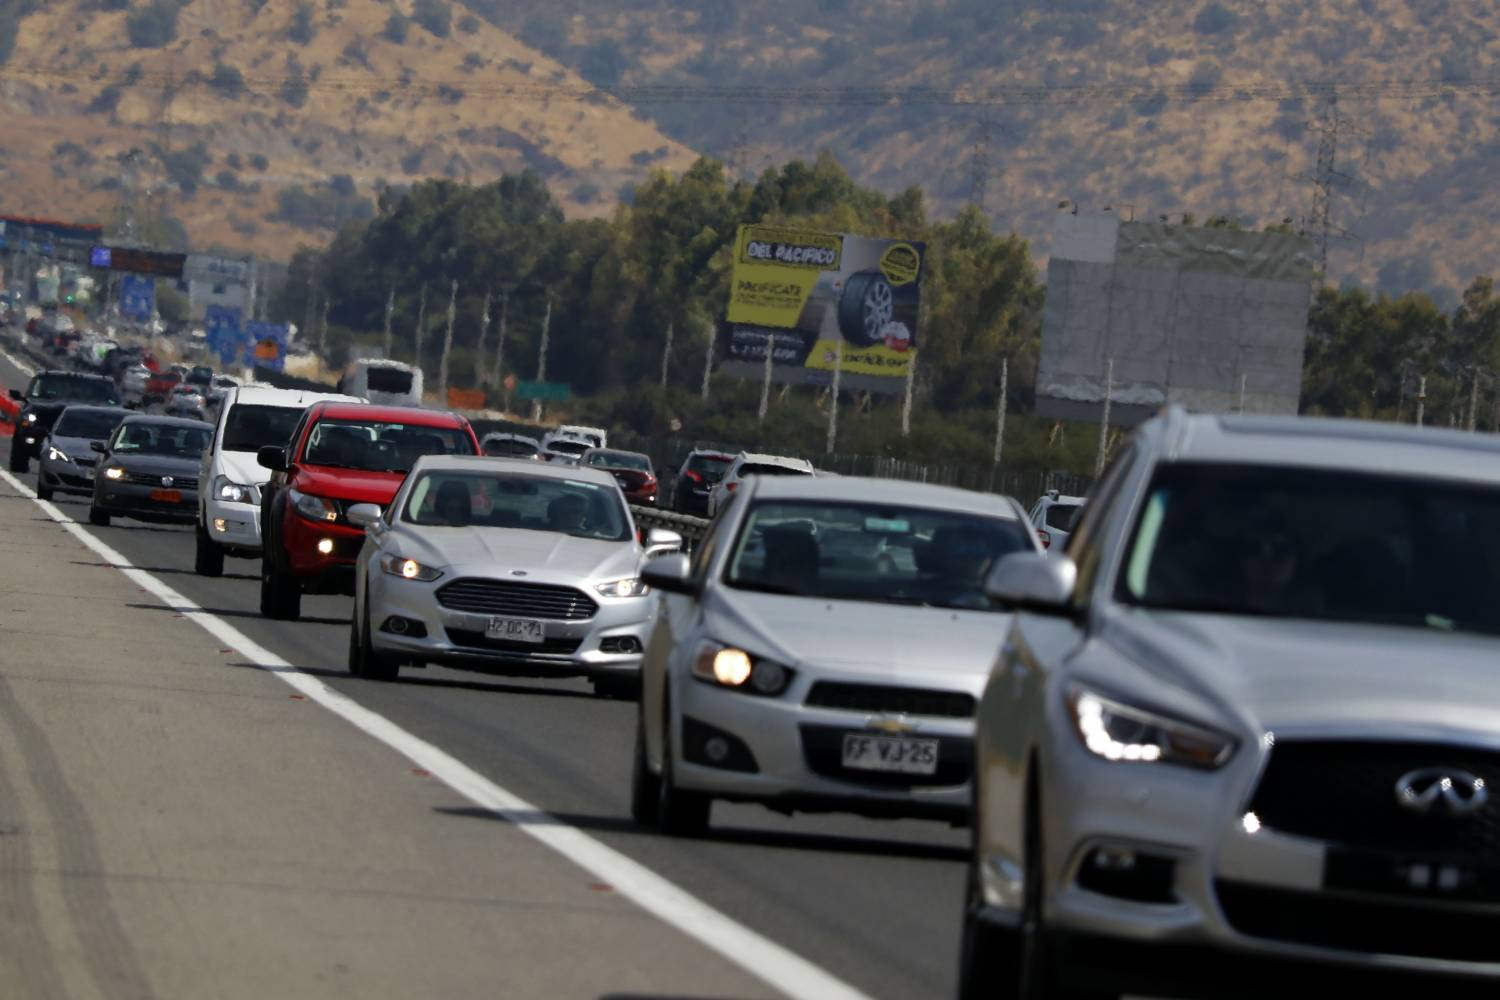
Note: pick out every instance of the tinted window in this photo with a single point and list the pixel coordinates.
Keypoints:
(376, 446)
(383, 379)
(756, 469)
(250, 427)
(620, 460)
(710, 467)
(509, 500)
(509, 449)
(1063, 515)
(95, 425)
(55, 385)
(149, 438)
(569, 447)
(870, 552)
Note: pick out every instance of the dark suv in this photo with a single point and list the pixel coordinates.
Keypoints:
(48, 394)
(700, 471)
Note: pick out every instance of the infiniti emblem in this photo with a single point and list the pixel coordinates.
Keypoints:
(1441, 791)
(167, 480)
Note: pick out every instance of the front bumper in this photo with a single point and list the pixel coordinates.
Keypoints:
(457, 639)
(235, 526)
(66, 477)
(320, 572)
(124, 499)
(28, 439)
(792, 758)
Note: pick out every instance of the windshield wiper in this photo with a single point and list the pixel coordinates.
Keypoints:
(769, 588)
(1207, 608)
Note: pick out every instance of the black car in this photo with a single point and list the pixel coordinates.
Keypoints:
(697, 477)
(148, 470)
(202, 376)
(48, 394)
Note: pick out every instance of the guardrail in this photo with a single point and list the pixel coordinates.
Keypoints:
(692, 529)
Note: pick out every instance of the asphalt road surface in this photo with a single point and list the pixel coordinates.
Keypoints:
(875, 904)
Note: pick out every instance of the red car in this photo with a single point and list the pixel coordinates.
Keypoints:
(340, 454)
(631, 469)
(160, 385)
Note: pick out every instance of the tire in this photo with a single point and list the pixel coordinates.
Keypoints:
(988, 956)
(645, 787)
(280, 593)
(97, 517)
(18, 460)
(208, 556)
(618, 688)
(865, 307)
(363, 660)
(678, 813)
(43, 491)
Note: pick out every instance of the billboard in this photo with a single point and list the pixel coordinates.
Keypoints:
(807, 296)
(1212, 319)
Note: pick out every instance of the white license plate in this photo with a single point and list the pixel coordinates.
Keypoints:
(514, 629)
(890, 753)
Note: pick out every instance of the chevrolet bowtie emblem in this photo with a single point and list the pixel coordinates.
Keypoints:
(894, 725)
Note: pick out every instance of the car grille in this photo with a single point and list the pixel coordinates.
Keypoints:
(877, 698)
(145, 479)
(823, 750)
(477, 640)
(523, 600)
(75, 482)
(1360, 924)
(1344, 792)
(87, 463)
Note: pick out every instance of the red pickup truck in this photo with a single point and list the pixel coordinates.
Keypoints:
(340, 454)
(160, 385)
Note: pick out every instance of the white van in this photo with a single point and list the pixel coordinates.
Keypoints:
(383, 382)
(230, 478)
(596, 436)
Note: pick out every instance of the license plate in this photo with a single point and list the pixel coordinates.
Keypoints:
(514, 629)
(167, 496)
(890, 753)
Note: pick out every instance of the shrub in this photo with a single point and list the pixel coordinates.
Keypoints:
(229, 80)
(434, 15)
(1215, 19)
(227, 180)
(154, 25)
(468, 24)
(259, 162)
(396, 27)
(294, 89)
(302, 29)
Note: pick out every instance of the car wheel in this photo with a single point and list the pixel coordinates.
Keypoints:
(208, 556)
(988, 956)
(678, 813)
(368, 663)
(98, 517)
(621, 688)
(43, 491)
(18, 460)
(280, 593)
(645, 787)
(865, 307)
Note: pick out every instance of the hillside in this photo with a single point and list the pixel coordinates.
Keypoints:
(263, 125)
(1169, 107)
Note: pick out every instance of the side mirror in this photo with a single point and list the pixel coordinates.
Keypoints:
(17, 394)
(660, 541)
(672, 573)
(1030, 581)
(364, 515)
(98, 446)
(272, 457)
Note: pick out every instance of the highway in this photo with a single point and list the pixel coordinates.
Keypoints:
(873, 904)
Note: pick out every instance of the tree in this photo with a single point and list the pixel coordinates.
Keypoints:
(433, 15)
(228, 80)
(395, 28)
(302, 29)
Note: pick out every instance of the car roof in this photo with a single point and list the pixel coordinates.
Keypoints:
(616, 451)
(91, 376)
(1062, 501)
(1329, 443)
(391, 414)
(508, 436)
(94, 408)
(899, 492)
(156, 418)
(782, 460)
(481, 463)
(269, 395)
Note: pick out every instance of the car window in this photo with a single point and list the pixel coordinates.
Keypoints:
(95, 425)
(511, 500)
(509, 449)
(379, 446)
(250, 426)
(710, 467)
(1086, 544)
(153, 438)
(54, 385)
(762, 469)
(1062, 516)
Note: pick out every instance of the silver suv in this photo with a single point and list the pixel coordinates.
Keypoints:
(1247, 730)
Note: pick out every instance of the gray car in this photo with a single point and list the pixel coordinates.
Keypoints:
(148, 470)
(824, 651)
(1245, 734)
(65, 456)
(504, 567)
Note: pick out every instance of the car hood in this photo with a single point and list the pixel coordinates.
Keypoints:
(74, 447)
(544, 556)
(242, 468)
(1331, 678)
(353, 485)
(877, 641)
(185, 466)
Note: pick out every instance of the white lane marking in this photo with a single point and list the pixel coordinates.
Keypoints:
(25, 368)
(778, 967)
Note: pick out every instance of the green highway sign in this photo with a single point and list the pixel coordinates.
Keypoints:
(553, 391)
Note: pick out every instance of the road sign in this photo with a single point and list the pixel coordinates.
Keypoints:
(265, 345)
(549, 391)
(137, 298)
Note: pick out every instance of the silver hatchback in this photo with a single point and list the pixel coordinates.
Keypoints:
(1245, 736)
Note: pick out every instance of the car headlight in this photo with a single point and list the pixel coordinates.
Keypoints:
(631, 587)
(57, 455)
(114, 472)
(408, 569)
(233, 492)
(30, 418)
(312, 507)
(1120, 732)
(728, 666)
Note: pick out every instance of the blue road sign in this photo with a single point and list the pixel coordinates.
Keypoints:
(265, 345)
(137, 298)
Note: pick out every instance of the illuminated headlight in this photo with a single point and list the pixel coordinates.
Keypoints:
(632, 587)
(1121, 732)
(325, 546)
(408, 569)
(55, 455)
(313, 508)
(235, 492)
(30, 418)
(729, 667)
(114, 472)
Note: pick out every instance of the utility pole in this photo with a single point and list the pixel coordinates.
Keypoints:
(541, 362)
(833, 400)
(500, 339)
(911, 378)
(390, 309)
(765, 385)
(323, 332)
(1109, 389)
(1327, 179)
(1242, 394)
(1473, 401)
(708, 362)
(484, 333)
(666, 356)
(1421, 398)
(447, 345)
(979, 163)
(1000, 419)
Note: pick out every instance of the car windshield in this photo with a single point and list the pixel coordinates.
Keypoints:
(871, 552)
(569, 447)
(63, 386)
(508, 448)
(763, 469)
(516, 500)
(710, 467)
(1331, 546)
(149, 437)
(619, 460)
(94, 425)
(380, 446)
(250, 427)
(1062, 515)
(380, 378)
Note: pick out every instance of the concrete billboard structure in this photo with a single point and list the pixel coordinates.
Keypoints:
(1187, 315)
